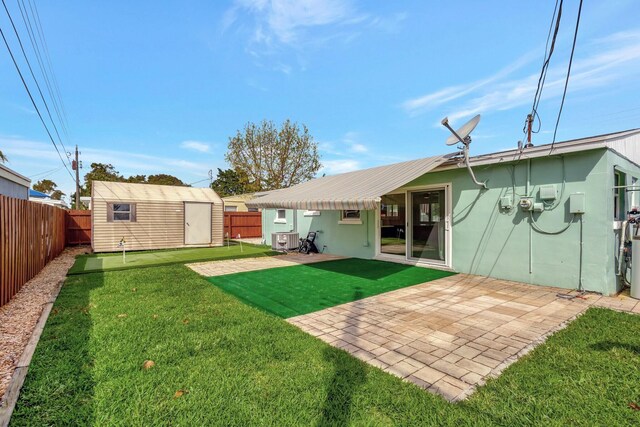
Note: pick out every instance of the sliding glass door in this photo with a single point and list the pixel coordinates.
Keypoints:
(393, 231)
(427, 221)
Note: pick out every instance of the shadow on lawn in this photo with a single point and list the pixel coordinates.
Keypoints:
(349, 373)
(59, 388)
(363, 268)
(610, 345)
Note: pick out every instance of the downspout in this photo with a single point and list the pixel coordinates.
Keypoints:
(366, 229)
(530, 219)
(295, 221)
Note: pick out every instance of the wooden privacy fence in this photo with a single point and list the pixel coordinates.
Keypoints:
(246, 224)
(78, 227)
(31, 235)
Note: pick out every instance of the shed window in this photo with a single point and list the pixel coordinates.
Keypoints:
(230, 208)
(121, 212)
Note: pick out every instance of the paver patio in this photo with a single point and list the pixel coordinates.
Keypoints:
(449, 335)
(220, 268)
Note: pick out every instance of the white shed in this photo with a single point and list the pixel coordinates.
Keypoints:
(154, 216)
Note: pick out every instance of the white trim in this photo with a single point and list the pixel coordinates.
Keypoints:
(311, 213)
(416, 263)
(280, 220)
(352, 221)
(14, 176)
(448, 218)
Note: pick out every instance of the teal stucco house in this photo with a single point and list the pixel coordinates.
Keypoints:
(549, 215)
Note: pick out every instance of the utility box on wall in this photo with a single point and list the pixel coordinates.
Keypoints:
(576, 203)
(548, 192)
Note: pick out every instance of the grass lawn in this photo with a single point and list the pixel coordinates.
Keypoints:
(301, 289)
(392, 241)
(113, 261)
(239, 366)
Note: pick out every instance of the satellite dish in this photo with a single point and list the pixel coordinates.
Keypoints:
(461, 134)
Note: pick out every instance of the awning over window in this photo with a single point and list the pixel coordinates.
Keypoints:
(353, 190)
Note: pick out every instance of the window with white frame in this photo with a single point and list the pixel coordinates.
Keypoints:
(619, 196)
(281, 216)
(121, 212)
(350, 216)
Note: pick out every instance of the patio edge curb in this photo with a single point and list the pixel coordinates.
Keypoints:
(10, 398)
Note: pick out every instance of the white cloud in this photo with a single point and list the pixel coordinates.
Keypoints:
(31, 157)
(275, 27)
(611, 59)
(359, 148)
(429, 101)
(333, 167)
(202, 147)
(283, 21)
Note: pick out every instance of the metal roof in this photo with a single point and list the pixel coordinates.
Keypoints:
(362, 189)
(39, 194)
(124, 191)
(14, 176)
(614, 141)
(352, 190)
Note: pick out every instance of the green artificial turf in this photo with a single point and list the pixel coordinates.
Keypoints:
(239, 366)
(301, 289)
(113, 261)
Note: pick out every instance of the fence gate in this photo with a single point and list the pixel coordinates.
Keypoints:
(78, 227)
(246, 224)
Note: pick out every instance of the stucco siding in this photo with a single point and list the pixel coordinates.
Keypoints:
(490, 241)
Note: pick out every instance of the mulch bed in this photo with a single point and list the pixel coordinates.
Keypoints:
(19, 316)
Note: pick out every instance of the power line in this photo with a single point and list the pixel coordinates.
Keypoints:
(50, 77)
(566, 82)
(548, 52)
(15, 30)
(36, 49)
(46, 173)
(24, 83)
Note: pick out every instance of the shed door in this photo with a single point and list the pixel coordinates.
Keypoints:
(197, 223)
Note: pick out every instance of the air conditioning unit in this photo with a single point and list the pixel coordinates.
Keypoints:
(285, 240)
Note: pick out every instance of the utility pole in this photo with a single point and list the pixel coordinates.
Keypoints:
(76, 166)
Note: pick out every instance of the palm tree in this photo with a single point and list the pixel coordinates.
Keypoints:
(3, 158)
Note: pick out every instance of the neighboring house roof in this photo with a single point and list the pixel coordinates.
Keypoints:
(239, 198)
(51, 202)
(14, 176)
(38, 194)
(362, 189)
(120, 191)
(352, 190)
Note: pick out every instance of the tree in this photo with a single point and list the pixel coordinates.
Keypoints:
(106, 172)
(99, 172)
(274, 158)
(137, 179)
(48, 187)
(3, 158)
(230, 182)
(164, 179)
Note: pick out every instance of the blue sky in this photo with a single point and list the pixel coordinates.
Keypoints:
(159, 87)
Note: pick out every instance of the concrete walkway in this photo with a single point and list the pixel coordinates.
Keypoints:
(449, 335)
(222, 267)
